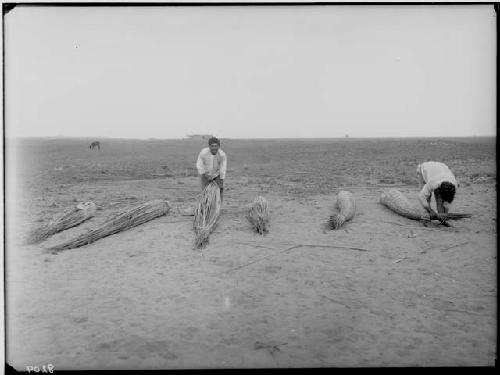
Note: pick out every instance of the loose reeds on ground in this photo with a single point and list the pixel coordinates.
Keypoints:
(123, 221)
(206, 214)
(258, 215)
(346, 206)
(69, 219)
(399, 203)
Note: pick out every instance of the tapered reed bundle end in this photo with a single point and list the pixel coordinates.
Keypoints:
(336, 221)
(206, 214)
(344, 209)
(69, 219)
(258, 215)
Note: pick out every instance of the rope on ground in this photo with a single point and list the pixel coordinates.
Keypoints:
(290, 249)
(456, 245)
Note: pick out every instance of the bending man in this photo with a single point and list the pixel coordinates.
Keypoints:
(435, 177)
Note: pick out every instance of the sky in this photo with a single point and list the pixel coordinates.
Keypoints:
(251, 71)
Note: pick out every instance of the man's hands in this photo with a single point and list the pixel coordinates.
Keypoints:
(219, 181)
(441, 217)
(210, 177)
(214, 177)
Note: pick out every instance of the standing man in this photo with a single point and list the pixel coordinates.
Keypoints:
(212, 164)
(435, 177)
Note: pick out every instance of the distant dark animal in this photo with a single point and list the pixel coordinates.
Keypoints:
(95, 144)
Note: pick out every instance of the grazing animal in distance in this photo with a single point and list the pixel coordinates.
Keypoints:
(95, 144)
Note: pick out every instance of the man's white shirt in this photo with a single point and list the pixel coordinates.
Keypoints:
(213, 164)
(433, 174)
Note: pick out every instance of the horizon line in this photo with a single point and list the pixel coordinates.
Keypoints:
(196, 137)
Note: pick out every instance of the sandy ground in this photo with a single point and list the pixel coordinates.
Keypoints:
(297, 297)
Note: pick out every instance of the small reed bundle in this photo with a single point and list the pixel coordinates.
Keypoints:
(206, 214)
(397, 202)
(258, 215)
(69, 219)
(123, 221)
(346, 206)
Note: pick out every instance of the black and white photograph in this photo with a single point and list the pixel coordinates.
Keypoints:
(249, 186)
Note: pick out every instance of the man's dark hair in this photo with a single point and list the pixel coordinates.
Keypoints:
(447, 191)
(213, 140)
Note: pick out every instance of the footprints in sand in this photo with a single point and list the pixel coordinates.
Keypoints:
(80, 319)
(270, 347)
(139, 346)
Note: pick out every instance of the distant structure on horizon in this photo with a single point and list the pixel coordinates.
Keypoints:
(347, 135)
(199, 137)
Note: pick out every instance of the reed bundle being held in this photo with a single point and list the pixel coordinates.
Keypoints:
(69, 219)
(206, 214)
(346, 207)
(123, 221)
(258, 215)
(397, 202)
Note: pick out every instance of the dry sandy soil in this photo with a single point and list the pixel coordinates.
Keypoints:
(144, 299)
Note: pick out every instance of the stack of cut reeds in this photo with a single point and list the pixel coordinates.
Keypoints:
(346, 206)
(69, 219)
(123, 221)
(206, 214)
(258, 215)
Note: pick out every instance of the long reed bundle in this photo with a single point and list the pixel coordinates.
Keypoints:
(206, 214)
(346, 206)
(69, 219)
(397, 202)
(123, 221)
(258, 215)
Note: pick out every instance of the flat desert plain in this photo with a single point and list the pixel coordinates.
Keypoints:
(383, 290)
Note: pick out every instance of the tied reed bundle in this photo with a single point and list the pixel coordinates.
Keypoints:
(397, 202)
(258, 215)
(206, 214)
(346, 206)
(69, 219)
(123, 221)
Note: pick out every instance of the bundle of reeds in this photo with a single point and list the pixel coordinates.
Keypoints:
(258, 215)
(206, 214)
(123, 221)
(397, 202)
(346, 206)
(68, 219)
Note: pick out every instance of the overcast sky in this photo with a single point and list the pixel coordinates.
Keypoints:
(251, 72)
